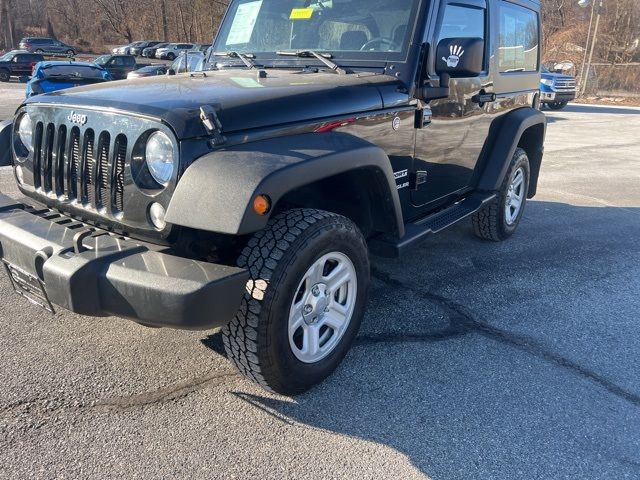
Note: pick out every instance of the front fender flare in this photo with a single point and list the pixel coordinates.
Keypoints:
(217, 191)
(5, 143)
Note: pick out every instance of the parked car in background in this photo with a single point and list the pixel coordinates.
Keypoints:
(556, 89)
(126, 49)
(172, 51)
(150, 52)
(47, 46)
(150, 71)
(119, 66)
(53, 76)
(18, 63)
(188, 62)
(137, 50)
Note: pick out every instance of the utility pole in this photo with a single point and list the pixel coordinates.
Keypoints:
(593, 46)
(586, 47)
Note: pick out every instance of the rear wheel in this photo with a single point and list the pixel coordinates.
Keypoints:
(171, 57)
(71, 53)
(499, 220)
(557, 105)
(5, 75)
(304, 303)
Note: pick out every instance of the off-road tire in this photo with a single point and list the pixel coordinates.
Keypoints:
(490, 223)
(5, 75)
(557, 105)
(278, 257)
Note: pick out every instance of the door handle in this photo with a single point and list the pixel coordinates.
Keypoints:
(484, 97)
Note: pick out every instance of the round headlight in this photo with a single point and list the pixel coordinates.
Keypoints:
(25, 132)
(160, 156)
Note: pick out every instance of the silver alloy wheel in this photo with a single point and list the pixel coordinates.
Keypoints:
(515, 197)
(322, 308)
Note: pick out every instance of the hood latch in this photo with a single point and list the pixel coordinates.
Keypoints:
(212, 124)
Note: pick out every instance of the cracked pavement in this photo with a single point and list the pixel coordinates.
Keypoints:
(475, 360)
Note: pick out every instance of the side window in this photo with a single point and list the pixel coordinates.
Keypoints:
(463, 22)
(117, 62)
(130, 62)
(20, 59)
(518, 39)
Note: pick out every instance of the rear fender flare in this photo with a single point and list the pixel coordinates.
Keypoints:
(504, 142)
(216, 193)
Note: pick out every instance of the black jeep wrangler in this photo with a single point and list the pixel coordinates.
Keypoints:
(249, 196)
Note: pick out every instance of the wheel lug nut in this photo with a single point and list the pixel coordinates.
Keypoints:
(316, 292)
(308, 309)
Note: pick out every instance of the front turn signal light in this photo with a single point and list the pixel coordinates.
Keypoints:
(262, 205)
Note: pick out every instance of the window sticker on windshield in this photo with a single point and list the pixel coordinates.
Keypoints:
(244, 23)
(301, 14)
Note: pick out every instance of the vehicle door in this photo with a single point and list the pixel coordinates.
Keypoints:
(453, 132)
(23, 65)
(129, 65)
(116, 68)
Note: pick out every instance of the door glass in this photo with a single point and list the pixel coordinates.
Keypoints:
(518, 39)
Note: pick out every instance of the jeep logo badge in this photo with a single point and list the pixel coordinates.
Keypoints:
(77, 118)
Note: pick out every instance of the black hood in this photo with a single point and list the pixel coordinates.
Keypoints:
(243, 101)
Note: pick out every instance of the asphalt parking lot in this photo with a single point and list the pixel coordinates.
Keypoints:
(476, 360)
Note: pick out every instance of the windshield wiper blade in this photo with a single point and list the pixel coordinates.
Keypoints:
(245, 57)
(323, 57)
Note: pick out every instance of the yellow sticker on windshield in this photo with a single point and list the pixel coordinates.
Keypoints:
(301, 14)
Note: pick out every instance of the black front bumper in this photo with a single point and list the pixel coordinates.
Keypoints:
(93, 273)
(558, 97)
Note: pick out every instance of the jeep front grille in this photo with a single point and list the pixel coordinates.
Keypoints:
(67, 163)
(89, 164)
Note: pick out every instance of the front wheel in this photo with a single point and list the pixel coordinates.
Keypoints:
(557, 105)
(304, 302)
(171, 57)
(71, 53)
(499, 219)
(5, 76)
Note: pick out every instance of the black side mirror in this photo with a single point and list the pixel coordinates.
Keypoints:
(455, 58)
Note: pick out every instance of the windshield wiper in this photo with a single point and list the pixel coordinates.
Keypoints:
(323, 57)
(245, 57)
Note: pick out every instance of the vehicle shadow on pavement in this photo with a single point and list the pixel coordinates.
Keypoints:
(473, 361)
(583, 108)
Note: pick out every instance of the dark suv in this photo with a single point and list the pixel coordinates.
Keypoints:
(47, 46)
(18, 63)
(250, 197)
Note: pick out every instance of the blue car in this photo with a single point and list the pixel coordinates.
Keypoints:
(53, 76)
(556, 89)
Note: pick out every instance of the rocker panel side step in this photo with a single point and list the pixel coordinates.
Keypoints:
(389, 247)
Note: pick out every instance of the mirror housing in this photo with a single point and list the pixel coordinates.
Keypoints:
(455, 58)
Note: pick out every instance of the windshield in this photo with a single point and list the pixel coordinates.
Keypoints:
(345, 29)
(7, 57)
(80, 71)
